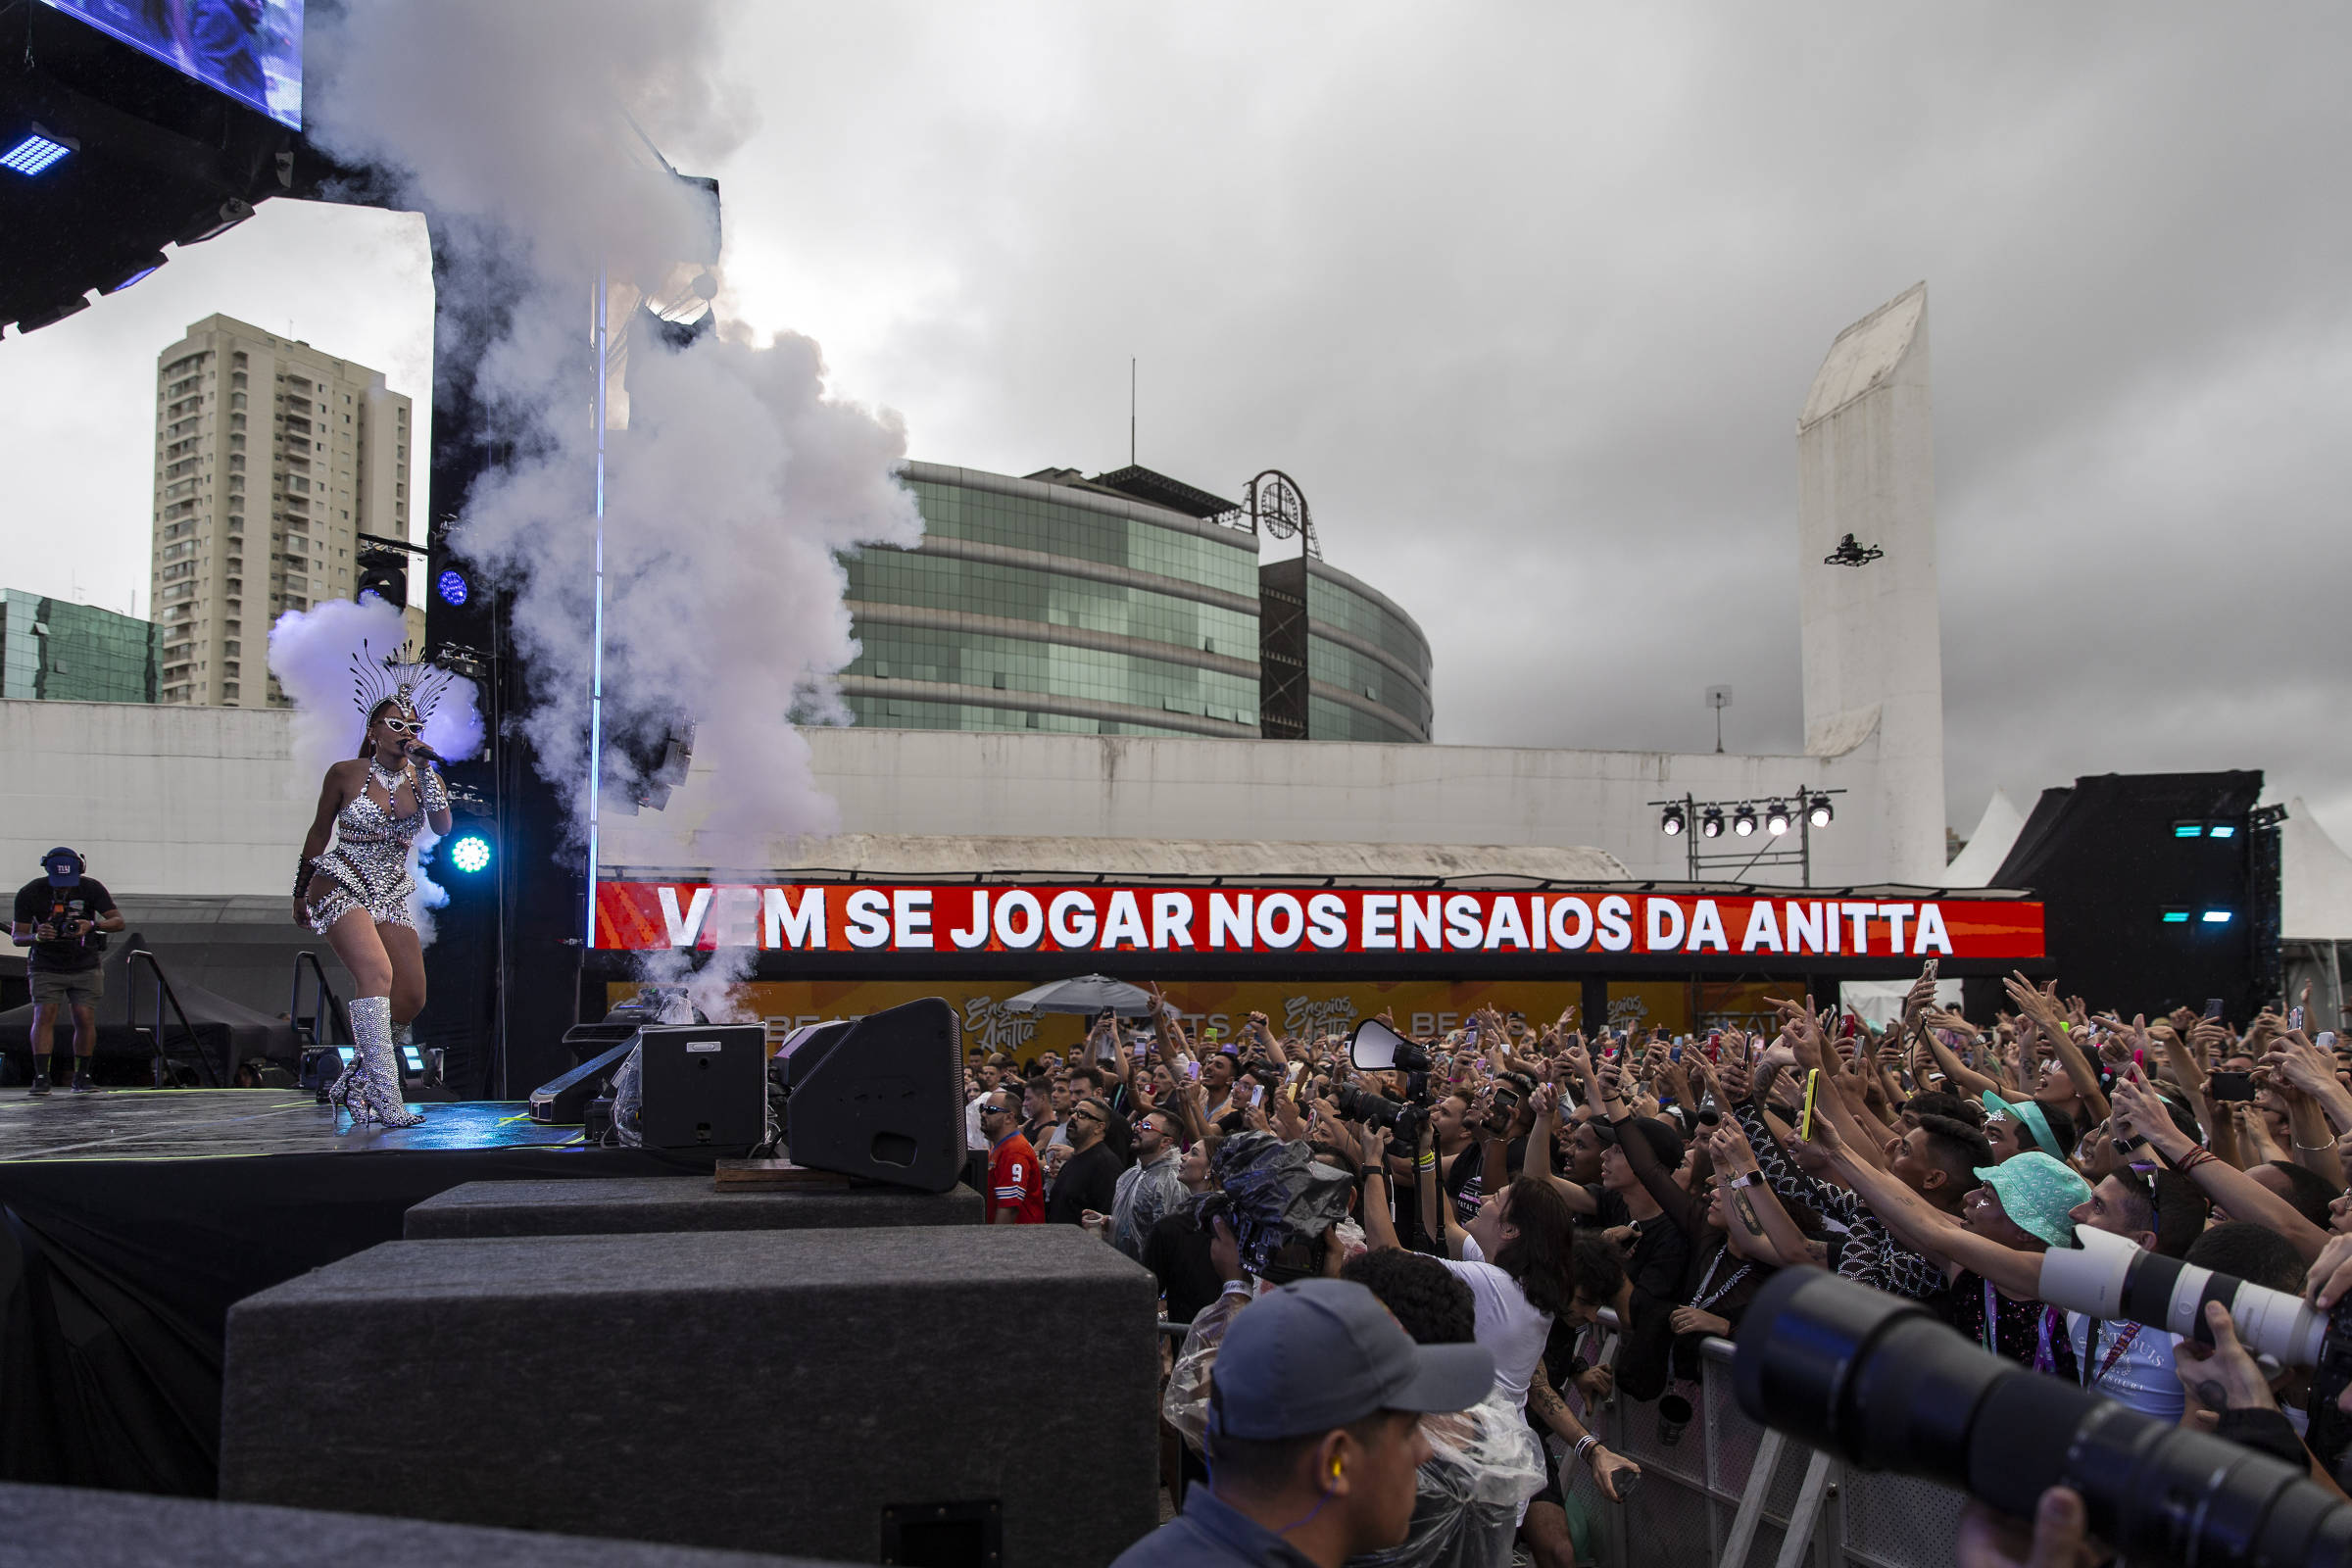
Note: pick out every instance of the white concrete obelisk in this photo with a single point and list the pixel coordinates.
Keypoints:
(1872, 636)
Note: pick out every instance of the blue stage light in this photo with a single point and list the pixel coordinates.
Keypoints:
(451, 586)
(138, 270)
(2188, 830)
(2216, 916)
(35, 154)
(2221, 830)
(471, 854)
(2175, 917)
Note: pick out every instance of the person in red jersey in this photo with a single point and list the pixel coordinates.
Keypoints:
(1017, 1183)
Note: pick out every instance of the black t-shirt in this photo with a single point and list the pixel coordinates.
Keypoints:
(2021, 1329)
(1660, 1254)
(39, 904)
(1177, 1252)
(1461, 1181)
(1089, 1179)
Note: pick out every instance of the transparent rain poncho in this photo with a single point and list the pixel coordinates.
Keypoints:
(1484, 1463)
(628, 1100)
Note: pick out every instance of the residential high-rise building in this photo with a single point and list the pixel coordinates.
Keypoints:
(57, 650)
(271, 459)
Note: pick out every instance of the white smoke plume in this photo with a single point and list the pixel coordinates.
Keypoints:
(738, 476)
(714, 988)
(312, 653)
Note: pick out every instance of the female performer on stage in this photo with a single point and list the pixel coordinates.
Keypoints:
(357, 893)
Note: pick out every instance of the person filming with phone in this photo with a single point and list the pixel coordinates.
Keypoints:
(64, 917)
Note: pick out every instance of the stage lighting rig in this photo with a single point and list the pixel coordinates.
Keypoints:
(459, 660)
(138, 270)
(466, 801)
(1700, 824)
(38, 152)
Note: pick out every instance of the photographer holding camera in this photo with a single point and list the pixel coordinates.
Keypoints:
(64, 916)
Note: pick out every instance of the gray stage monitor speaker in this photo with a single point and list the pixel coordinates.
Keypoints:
(879, 1096)
(811, 1392)
(703, 1086)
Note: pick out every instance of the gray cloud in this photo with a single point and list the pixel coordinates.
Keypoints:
(1528, 299)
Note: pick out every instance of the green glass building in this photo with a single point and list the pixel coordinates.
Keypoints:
(1127, 604)
(64, 652)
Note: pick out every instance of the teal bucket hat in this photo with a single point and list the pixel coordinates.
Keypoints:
(2029, 1114)
(2039, 1194)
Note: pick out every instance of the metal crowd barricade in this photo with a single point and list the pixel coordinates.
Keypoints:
(1734, 1494)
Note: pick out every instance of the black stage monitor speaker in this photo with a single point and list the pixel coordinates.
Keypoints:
(705, 1086)
(879, 1097)
(563, 1102)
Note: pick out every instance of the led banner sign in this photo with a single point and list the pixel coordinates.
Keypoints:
(831, 918)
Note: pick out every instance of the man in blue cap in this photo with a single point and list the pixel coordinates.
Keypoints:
(63, 916)
(1315, 1435)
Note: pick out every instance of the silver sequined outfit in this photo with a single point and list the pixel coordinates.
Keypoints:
(369, 865)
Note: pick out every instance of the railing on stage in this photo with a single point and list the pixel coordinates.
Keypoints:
(164, 1074)
(1732, 1493)
(319, 1033)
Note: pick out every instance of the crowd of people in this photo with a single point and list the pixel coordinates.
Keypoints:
(1534, 1181)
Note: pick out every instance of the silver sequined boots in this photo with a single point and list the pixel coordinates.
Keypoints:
(376, 1097)
(339, 1093)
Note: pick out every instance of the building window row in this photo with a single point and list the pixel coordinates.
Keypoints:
(1055, 528)
(1350, 611)
(1021, 593)
(916, 713)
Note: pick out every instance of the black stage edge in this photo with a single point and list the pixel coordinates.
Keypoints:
(130, 1221)
(67, 1528)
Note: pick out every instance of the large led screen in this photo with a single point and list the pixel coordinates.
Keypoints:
(249, 49)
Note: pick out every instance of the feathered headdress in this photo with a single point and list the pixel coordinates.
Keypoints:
(399, 675)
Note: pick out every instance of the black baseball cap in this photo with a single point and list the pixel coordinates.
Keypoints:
(1320, 1353)
(1665, 1144)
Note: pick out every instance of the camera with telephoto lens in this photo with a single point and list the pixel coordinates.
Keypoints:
(2109, 1277)
(1404, 1119)
(1374, 1046)
(1881, 1384)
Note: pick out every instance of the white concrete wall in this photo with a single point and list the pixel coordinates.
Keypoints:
(1871, 636)
(160, 799)
(1082, 785)
(206, 801)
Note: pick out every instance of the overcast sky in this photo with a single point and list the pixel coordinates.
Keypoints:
(1527, 298)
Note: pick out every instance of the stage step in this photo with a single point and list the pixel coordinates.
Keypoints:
(621, 1205)
(74, 1527)
(812, 1391)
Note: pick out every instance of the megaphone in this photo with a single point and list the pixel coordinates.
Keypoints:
(1377, 1048)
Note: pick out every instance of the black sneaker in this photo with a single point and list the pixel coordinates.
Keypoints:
(82, 1084)
(40, 1079)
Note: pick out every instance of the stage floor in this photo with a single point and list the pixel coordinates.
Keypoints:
(131, 1219)
(143, 1124)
